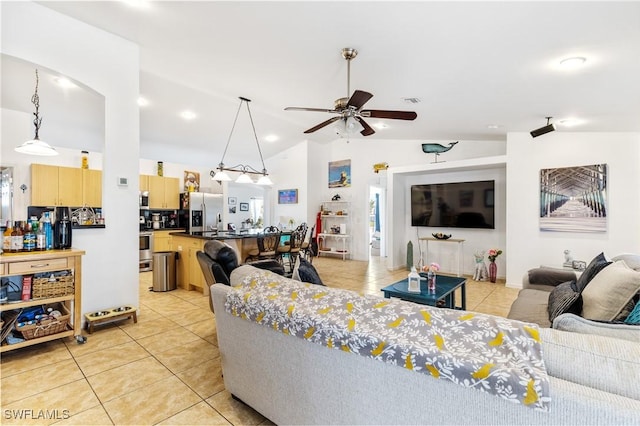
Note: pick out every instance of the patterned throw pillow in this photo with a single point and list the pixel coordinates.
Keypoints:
(305, 272)
(595, 266)
(562, 299)
(634, 316)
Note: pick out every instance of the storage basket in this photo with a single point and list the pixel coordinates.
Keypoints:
(46, 327)
(52, 286)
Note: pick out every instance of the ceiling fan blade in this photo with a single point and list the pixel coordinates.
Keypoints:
(358, 99)
(310, 109)
(395, 115)
(323, 124)
(367, 131)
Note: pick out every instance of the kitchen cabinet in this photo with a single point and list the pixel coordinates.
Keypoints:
(56, 186)
(190, 275)
(92, 188)
(15, 265)
(333, 239)
(162, 240)
(144, 182)
(164, 192)
(65, 186)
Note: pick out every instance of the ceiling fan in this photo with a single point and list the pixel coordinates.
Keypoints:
(350, 108)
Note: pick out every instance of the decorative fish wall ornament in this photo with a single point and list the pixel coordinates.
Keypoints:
(436, 148)
(380, 166)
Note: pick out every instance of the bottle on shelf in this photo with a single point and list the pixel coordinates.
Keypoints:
(6, 239)
(48, 231)
(29, 238)
(41, 237)
(17, 235)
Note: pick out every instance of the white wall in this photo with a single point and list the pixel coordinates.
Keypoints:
(288, 170)
(364, 153)
(527, 246)
(110, 66)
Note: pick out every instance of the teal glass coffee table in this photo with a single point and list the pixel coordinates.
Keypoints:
(445, 292)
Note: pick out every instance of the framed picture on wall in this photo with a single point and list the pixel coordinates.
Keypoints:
(339, 174)
(244, 207)
(287, 196)
(232, 201)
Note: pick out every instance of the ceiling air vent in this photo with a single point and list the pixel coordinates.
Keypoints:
(412, 100)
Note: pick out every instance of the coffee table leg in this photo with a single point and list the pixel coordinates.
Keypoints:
(464, 296)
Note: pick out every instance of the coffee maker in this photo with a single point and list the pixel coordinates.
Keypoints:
(62, 228)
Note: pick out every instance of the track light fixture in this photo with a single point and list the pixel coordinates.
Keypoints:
(542, 130)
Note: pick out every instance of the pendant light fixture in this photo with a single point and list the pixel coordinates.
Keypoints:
(36, 146)
(244, 170)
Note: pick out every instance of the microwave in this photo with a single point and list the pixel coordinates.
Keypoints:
(144, 199)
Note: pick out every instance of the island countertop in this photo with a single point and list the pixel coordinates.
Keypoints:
(223, 235)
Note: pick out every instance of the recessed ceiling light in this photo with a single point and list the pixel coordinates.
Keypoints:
(188, 115)
(143, 102)
(571, 122)
(493, 126)
(64, 82)
(380, 125)
(271, 138)
(573, 62)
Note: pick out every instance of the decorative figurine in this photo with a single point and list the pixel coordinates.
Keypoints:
(568, 259)
(481, 273)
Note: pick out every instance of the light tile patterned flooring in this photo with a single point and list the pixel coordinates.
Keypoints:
(166, 368)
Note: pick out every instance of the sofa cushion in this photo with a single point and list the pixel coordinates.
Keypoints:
(610, 291)
(596, 265)
(305, 272)
(564, 298)
(595, 361)
(549, 276)
(577, 324)
(531, 306)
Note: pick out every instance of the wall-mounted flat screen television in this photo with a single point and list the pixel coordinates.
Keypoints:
(454, 205)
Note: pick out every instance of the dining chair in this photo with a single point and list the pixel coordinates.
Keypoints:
(268, 243)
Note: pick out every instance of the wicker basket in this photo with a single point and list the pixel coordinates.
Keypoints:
(46, 327)
(47, 287)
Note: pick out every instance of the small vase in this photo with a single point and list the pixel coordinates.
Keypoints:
(493, 271)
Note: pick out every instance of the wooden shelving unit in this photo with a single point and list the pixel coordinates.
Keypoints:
(333, 214)
(18, 264)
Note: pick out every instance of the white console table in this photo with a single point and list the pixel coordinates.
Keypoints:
(458, 241)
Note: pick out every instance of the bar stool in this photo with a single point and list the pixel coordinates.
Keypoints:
(268, 244)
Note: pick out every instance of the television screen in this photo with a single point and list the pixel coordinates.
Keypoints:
(453, 205)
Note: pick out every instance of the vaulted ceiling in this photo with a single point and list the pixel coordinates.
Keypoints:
(478, 69)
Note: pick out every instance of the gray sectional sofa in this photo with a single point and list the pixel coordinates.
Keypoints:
(599, 310)
(592, 379)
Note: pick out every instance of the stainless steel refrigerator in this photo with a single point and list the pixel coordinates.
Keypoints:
(205, 211)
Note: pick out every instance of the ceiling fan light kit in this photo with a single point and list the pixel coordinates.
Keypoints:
(543, 130)
(349, 109)
(245, 170)
(35, 146)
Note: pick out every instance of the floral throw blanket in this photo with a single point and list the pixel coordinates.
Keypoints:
(491, 354)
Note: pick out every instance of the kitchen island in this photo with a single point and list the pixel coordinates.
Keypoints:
(187, 244)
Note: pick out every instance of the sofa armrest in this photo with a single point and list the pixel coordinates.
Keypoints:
(546, 278)
(576, 324)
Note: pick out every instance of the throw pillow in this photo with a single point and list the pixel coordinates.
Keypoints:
(596, 265)
(562, 299)
(609, 292)
(305, 272)
(634, 316)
